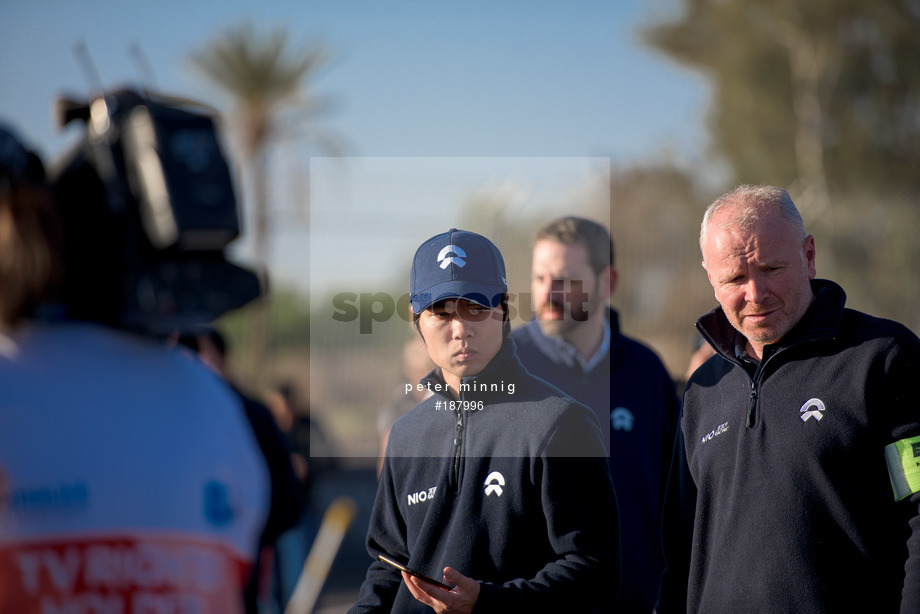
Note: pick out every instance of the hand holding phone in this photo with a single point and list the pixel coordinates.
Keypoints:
(412, 572)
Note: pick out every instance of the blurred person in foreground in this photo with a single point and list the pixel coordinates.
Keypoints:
(575, 343)
(311, 456)
(287, 501)
(129, 477)
(795, 485)
(497, 483)
(313, 451)
(30, 237)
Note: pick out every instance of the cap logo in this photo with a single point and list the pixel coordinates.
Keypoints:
(446, 260)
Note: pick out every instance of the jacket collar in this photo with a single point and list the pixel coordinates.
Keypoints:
(821, 321)
(562, 352)
(503, 369)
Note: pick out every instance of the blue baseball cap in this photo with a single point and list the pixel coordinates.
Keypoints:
(457, 264)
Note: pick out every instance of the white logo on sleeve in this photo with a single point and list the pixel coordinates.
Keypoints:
(815, 413)
(622, 419)
(456, 258)
(494, 483)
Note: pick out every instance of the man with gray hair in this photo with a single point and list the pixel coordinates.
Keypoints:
(795, 486)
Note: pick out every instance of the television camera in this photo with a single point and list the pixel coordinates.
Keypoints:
(148, 207)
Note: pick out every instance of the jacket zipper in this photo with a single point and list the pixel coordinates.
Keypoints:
(758, 376)
(755, 384)
(752, 408)
(755, 379)
(458, 446)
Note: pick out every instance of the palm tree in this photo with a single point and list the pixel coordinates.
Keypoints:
(269, 82)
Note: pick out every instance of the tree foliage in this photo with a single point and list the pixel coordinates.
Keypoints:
(267, 78)
(655, 214)
(808, 94)
(265, 74)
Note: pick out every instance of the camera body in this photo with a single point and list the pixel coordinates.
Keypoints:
(148, 207)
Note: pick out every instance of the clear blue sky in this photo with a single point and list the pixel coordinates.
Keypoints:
(413, 78)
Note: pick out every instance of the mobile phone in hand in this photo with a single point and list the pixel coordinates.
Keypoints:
(412, 572)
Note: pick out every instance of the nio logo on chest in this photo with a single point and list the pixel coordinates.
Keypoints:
(621, 419)
(457, 258)
(422, 496)
(494, 483)
(715, 432)
(813, 408)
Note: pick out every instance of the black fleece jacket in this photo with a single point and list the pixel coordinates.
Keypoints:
(516, 495)
(786, 487)
(632, 380)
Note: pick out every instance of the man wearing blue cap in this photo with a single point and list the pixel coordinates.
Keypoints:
(498, 483)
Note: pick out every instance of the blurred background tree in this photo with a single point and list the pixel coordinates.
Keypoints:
(655, 213)
(821, 96)
(269, 80)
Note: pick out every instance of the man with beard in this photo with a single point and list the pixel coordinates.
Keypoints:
(575, 343)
